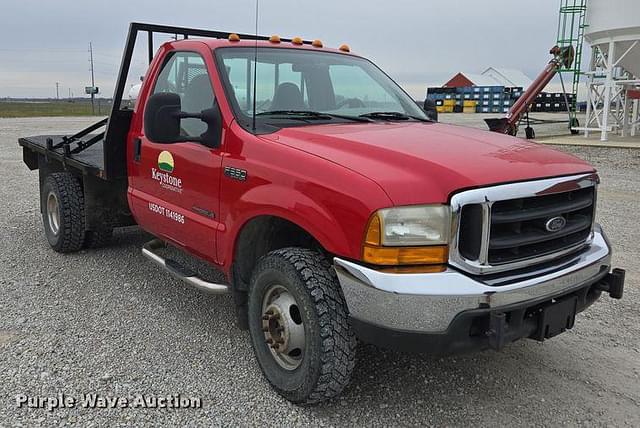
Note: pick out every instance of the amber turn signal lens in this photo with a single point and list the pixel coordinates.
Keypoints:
(374, 232)
(233, 37)
(395, 256)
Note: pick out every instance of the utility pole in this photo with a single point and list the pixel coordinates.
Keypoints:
(69, 93)
(93, 83)
(57, 92)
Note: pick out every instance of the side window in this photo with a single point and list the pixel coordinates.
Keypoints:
(185, 74)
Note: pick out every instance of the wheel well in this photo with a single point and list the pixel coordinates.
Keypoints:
(262, 235)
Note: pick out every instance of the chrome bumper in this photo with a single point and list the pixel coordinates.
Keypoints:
(428, 302)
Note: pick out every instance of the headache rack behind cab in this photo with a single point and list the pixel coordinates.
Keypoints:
(110, 144)
(120, 118)
(513, 226)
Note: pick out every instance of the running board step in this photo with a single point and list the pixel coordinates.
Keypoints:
(178, 271)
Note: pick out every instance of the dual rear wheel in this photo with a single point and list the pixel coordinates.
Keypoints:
(63, 215)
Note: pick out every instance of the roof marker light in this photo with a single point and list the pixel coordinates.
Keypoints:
(317, 43)
(297, 41)
(274, 39)
(233, 37)
(345, 48)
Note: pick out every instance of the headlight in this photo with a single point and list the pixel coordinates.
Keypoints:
(408, 235)
(420, 225)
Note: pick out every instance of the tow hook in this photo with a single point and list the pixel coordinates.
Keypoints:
(613, 283)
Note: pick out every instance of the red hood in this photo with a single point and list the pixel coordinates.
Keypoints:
(418, 163)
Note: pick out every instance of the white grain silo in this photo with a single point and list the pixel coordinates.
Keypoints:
(613, 31)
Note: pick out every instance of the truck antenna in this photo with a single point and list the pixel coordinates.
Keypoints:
(255, 70)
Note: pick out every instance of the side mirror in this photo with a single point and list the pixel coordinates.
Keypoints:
(162, 116)
(430, 109)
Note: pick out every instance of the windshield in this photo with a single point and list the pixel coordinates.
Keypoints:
(291, 84)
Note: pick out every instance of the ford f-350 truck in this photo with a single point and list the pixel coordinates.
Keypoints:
(335, 208)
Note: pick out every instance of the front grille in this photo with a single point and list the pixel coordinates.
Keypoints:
(518, 226)
(511, 226)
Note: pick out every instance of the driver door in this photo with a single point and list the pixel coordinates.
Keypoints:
(176, 186)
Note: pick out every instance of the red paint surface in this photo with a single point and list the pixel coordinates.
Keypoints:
(328, 179)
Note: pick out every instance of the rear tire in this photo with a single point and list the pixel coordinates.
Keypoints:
(295, 301)
(63, 212)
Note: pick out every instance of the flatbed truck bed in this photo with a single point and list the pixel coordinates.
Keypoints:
(90, 161)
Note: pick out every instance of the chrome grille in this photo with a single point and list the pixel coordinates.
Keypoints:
(509, 226)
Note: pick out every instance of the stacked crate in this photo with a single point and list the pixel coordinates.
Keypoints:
(496, 99)
(445, 99)
(469, 106)
(475, 99)
(551, 102)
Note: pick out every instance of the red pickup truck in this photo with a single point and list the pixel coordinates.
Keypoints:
(337, 210)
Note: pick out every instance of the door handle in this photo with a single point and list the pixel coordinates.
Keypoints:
(137, 149)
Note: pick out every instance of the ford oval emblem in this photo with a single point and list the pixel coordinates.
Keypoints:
(555, 224)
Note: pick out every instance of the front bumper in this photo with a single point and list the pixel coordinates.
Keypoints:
(451, 306)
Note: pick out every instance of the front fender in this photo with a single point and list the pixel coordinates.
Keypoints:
(330, 202)
(338, 229)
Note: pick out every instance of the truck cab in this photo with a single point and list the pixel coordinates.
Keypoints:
(336, 208)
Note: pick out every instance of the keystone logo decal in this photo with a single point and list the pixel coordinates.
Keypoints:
(163, 174)
(165, 161)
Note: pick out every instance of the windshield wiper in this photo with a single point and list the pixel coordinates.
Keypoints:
(392, 115)
(308, 114)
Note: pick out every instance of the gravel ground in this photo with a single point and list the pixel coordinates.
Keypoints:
(108, 322)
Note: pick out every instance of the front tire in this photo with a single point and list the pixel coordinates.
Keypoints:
(299, 326)
(63, 212)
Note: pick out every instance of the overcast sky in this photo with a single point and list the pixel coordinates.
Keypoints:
(418, 42)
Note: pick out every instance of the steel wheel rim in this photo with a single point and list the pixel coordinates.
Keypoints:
(53, 213)
(282, 327)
